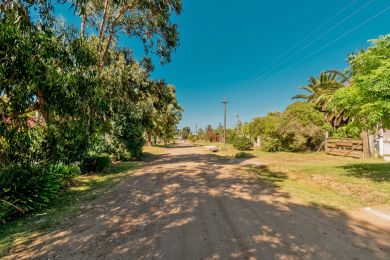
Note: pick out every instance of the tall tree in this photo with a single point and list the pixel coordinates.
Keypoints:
(149, 21)
(368, 98)
(320, 91)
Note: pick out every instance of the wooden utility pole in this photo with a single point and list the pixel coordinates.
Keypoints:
(224, 120)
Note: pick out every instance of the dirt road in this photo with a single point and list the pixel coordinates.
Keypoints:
(191, 205)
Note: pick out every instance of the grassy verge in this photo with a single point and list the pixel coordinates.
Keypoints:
(323, 180)
(86, 188)
(153, 152)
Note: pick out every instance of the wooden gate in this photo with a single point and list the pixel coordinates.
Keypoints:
(345, 147)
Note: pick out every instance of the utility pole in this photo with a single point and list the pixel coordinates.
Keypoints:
(196, 128)
(224, 120)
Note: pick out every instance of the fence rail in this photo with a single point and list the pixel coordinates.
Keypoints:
(345, 147)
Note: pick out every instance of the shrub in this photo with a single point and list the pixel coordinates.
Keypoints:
(243, 155)
(242, 143)
(271, 144)
(118, 151)
(26, 188)
(302, 128)
(66, 173)
(95, 163)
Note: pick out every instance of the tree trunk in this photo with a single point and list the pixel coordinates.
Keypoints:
(149, 137)
(83, 21)
(106, 49)
(106, 2)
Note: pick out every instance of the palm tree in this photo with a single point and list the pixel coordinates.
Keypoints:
(320, 92)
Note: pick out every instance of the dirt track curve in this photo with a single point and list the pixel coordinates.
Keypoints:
(192, 205)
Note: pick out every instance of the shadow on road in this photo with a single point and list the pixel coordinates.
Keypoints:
(200, 206)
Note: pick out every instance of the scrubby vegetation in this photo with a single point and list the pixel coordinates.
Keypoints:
(242, 143)
(299, 128)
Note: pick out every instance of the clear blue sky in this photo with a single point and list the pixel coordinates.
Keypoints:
(256, 53)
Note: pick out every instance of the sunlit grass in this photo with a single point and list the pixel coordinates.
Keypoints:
(322, 180)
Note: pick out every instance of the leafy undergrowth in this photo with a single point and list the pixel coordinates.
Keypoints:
(86, 188)
(323, 180)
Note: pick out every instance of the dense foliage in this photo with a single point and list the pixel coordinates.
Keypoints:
(95, 163)
(367, 100)
(28, 188)
(299, 128)
(359, 99)
(185, 132)
(68, 97)
(242, 143)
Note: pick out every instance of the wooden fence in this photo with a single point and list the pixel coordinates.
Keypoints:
(345, 147)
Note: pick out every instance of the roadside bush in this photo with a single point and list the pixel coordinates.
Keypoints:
(119, 152)
(299, 128)
(242, 143)
(26, 188)
(19, 142)
(95, 163)
(302, 127)
(66, 173)
(271, 144)
(243, 155)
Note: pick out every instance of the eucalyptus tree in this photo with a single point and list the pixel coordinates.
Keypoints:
(164, 113)
(45, 68)
(149, 21)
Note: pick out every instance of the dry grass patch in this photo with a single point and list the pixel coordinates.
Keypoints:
(323, 180)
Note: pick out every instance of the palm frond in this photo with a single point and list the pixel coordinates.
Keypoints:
(300, 96)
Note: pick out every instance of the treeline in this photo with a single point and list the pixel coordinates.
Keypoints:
(343, 103)
(73, 99)
(300, 127)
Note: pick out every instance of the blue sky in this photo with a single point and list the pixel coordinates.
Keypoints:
(256, 53)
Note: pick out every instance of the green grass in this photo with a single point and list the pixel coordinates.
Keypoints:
(322, 180)
(86, 188)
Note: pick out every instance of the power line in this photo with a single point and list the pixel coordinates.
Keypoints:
(268, 71)
(321, 36)
(300, 42)
(333, 41)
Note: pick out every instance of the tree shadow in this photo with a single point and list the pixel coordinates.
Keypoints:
(149, 157)
(201, 206)
(378, 172)
(267, 176)
(244, 155)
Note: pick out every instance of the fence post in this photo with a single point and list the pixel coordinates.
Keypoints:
(366, 147)
(326, 141)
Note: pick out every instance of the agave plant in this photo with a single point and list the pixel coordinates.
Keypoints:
(320, 92)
